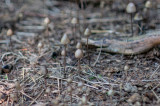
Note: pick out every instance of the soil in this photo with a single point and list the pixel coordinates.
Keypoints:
(110, 79)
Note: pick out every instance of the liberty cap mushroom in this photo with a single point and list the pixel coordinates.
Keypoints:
(79, 55)
(148, 4)
(74, 21)
(131, 8)
(46, 21)
(65, 40)
(79, 45)
(9, 32)
(87, 33)
(138, 18)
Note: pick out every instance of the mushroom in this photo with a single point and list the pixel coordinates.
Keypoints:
(148, 4)
(70, 89)
(64, 40)
(74, 22)
(138, 18)
(79, 55)
(40, 46)
(146, 11)
(84, 100)
(79, 45)
(131, 8)
(10, 34)
(87, 33)
(46, 23)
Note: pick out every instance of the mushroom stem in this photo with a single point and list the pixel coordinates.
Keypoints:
(71, 98)
(88, 52)
(132, 23)
(79, 65)
(140, 31)
(10, 40)
(64, 62)
(47, 32)
(74, 33)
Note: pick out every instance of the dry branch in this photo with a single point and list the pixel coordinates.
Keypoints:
(138, 45)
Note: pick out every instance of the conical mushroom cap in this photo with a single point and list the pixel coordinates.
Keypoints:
(87, 32)
(9, 32)
(40, 45)
(74, 20)
(148, 4)
(63, 53)
(79, 45)
(79, 53)
(131, 8)
(65, 40)
(46, 21)
(138, 17)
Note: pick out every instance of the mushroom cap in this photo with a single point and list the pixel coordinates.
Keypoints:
(17, 85)
(46, 21)
(69, 89)
(65, 40)
(84, 100)
(9, 32)
(69, 80)
(110, 92)
(43, 70)
(79, 45)
(79, 53)
(74, 21)
(148, 4)
(138, 17)
(131, 8)
(87, 32)
(40, 45)
(63, 53)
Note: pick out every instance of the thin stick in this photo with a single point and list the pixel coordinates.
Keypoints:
(36, 97)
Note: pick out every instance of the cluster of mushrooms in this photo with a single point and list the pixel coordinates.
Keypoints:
(131, 9)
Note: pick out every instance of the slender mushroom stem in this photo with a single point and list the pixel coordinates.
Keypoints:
(88, 52)
(140, 28)
(79, 65)
(132, 24)
(71, 97)
(10, 39)
(74, 33)
(47, 31)
(64, 62)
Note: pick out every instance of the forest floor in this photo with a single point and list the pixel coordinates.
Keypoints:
(110, 79)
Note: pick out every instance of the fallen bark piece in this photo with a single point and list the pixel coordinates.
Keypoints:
(135, 45)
